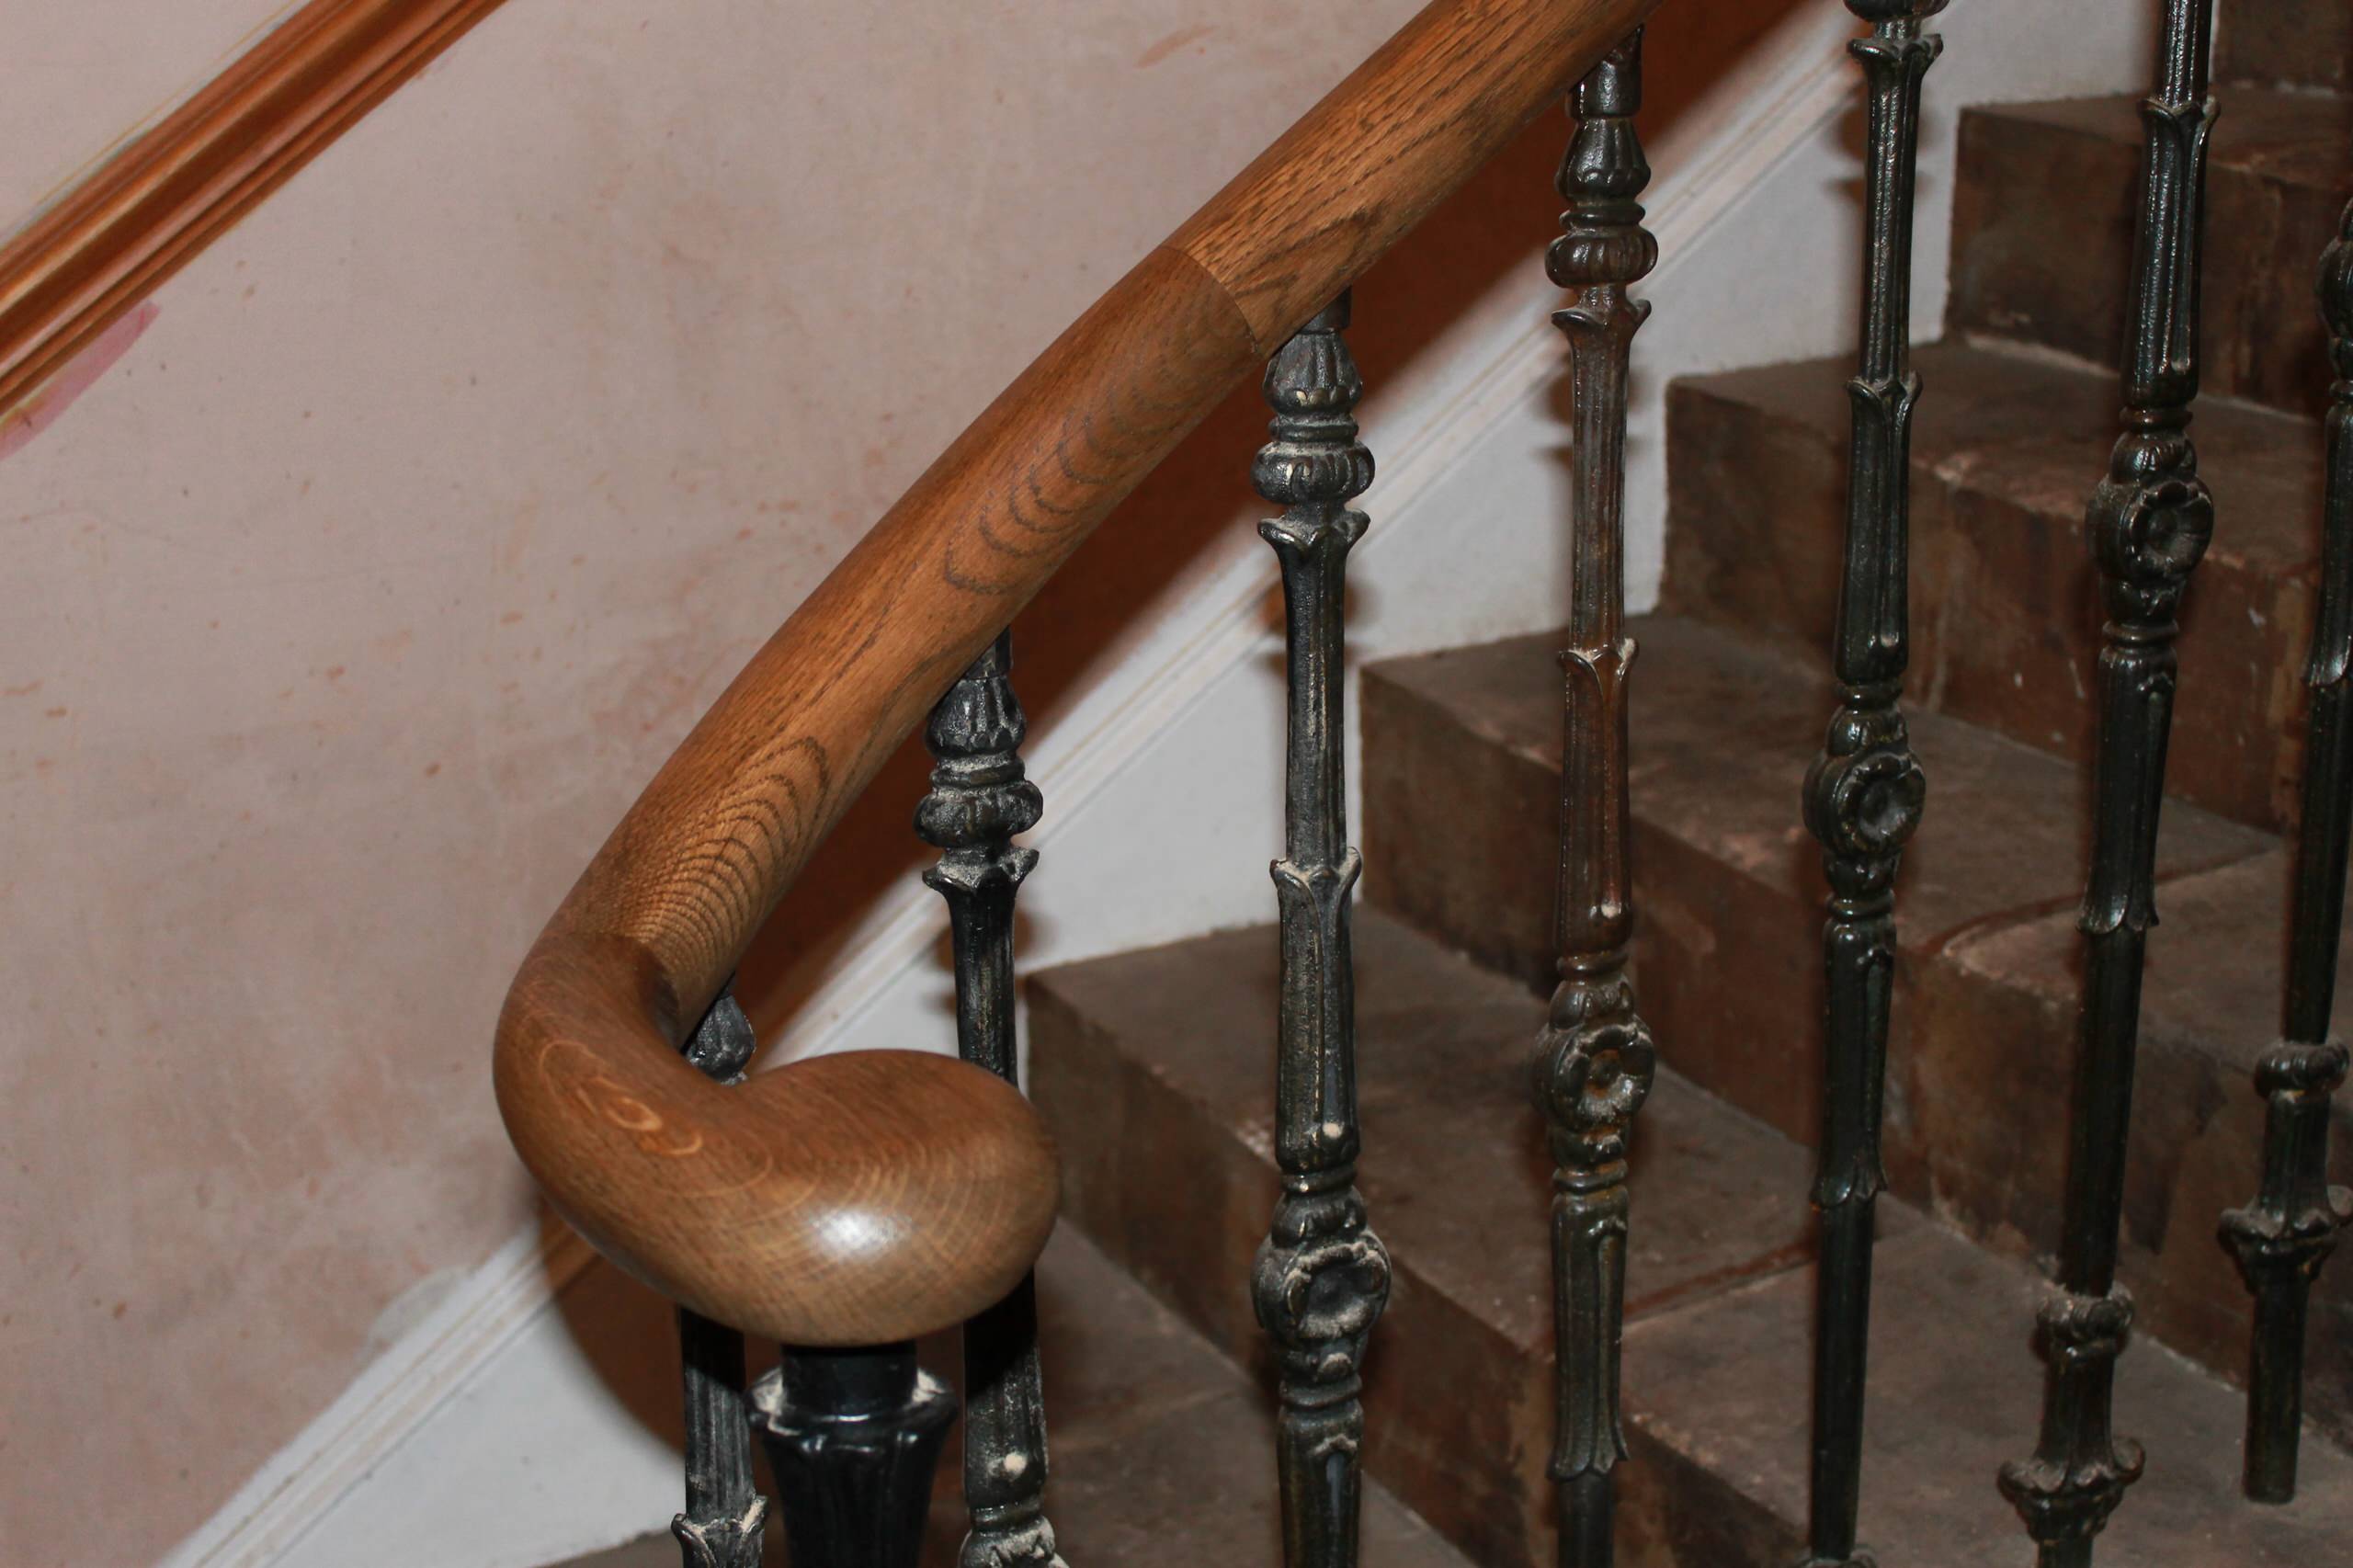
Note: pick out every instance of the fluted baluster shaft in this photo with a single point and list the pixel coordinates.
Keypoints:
(853, 1438)
(2281, 1240)
(980, 799)
(1322, 1276)
(1594, 1059)
(724, 1513)
(2148, 525)
(1864, 793)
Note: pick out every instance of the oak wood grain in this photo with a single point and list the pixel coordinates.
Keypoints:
(111, 240)
(1356, 172)
(586, 1048)
(871, 1195)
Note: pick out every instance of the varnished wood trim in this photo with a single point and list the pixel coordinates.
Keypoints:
(149, 208)
(1317, 209)
(695, 866)
(865, 1196)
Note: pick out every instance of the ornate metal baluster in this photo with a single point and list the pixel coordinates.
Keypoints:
(853, 1438)
(2281, 1239)
(979, 800)
(1863, 795)
(2148, 525)
(1594, 1058)
(721, 1528)
(1320, 1277)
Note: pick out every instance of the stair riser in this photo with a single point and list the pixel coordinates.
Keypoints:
(2042, 249)
(1728, 968)
(2304, 44)
(1673, 1512)
(2006, 609)
(1978, 1080)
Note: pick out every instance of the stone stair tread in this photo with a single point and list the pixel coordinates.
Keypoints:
(1724, 731)
(2006, 610)
(1444, 1051)
(2036, 429)
(1154, 1068)
(2044, 210)
(1163, 1449)
(1460, 778)
(2305, 43)
(1720, 1395)
(1159, 1440)
(2294, 138)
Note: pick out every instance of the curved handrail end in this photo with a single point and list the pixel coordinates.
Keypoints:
(856, 1198)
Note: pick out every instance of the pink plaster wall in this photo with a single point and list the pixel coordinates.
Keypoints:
(350, 605)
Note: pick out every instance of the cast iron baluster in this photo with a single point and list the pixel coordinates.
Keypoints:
(2282, 1238)
(1863, 796)
(721, 1528)
(979, 800)
(1594, 1058)
(2148, 525)
(1322, 1276)
(853, 1436)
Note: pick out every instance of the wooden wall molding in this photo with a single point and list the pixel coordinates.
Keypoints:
(144, 214)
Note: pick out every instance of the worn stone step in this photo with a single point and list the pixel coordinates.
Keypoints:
(1461, 780)
(1154, 1068)
(2043, 205)
(1719, 1394)
(1155, 1071)
(1163, 1449)
(2006, 607)
(2297, 44)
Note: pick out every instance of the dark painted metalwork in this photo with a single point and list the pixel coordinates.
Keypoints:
(723, 1044)
(2281, 1240)
(1594, 1059)
(979, 800)
(853, 1438)
(1863, 796)
(2148, 525)
(2283, 1237)
(1322, 1276)
(721, 1525)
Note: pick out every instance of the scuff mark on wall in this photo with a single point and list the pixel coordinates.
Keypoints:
(1171, 44)
(44, 407)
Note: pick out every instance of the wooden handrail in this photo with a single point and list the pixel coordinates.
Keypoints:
(713, 1195)
(177, 186)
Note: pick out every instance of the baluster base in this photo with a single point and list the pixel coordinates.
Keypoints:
(853, 1438)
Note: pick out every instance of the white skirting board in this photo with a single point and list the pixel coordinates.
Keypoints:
(486, 1437)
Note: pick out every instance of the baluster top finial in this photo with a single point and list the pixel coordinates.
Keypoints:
(1612, 89)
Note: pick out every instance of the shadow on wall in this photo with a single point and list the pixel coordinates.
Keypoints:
(1503, 219)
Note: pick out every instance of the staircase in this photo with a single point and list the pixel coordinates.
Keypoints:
(1153, 1067)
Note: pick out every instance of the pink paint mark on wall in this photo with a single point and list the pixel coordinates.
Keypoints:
(45, 407)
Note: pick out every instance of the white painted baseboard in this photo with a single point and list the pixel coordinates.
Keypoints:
(468, 1330)
(485, 1438)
